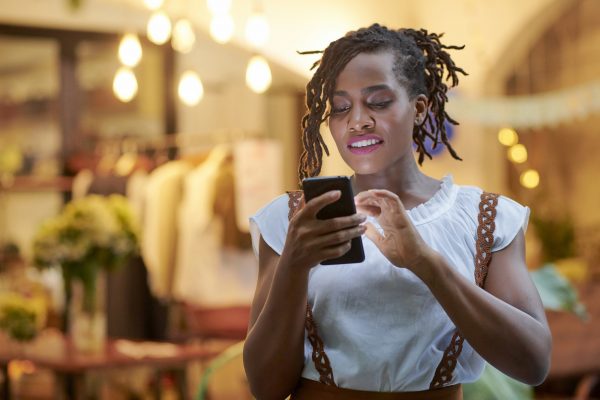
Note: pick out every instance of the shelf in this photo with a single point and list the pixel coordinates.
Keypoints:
(37, 184)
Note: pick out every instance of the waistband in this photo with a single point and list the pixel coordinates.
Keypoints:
(310, 390)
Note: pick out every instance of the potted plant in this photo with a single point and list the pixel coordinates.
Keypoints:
(89, 237)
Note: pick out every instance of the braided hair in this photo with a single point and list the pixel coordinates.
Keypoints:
(419, 66)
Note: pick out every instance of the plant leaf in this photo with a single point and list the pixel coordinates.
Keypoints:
(494, 385)
(556, 292)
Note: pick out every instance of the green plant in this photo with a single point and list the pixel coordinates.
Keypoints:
(20, 317)
(557, 236)
(90, 234)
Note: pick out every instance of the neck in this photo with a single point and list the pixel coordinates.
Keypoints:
(405, 179)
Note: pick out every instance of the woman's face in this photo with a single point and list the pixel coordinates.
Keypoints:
(372, 117)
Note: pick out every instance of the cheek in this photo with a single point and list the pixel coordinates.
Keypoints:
(336, 128)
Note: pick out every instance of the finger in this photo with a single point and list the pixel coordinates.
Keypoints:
(336, 251)
(323, 227)
(362, 195)
(373, 234)
(366, 198)
(313, 206)
(373, 211)
(339, 223)
(390, 198)
(336, 238)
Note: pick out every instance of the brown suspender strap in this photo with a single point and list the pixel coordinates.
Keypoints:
(483, 256)
(320, 359)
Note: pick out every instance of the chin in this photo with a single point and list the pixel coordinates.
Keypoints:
(364, 168)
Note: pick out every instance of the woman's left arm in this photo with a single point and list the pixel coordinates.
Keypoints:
(505, 323)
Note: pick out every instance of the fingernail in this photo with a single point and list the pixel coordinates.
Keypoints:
(336, 193)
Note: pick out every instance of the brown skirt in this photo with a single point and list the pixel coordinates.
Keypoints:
(313, 390)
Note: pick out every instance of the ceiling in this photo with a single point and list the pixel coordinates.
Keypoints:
(494, 31)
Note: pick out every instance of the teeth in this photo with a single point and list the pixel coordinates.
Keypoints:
(365, 143)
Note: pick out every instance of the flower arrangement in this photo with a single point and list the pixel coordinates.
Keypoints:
(20, 316)
(91, 234)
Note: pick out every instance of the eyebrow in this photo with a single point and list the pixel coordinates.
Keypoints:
(367, 90)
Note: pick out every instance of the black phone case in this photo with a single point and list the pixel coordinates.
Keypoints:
(344, 206)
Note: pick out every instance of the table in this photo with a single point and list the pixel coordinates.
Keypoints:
(56, 352)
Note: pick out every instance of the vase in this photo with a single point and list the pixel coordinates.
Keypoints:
(87, 313)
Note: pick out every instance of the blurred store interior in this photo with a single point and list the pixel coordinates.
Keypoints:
(190, 112)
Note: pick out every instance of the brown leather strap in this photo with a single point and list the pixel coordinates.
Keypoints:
(311, 390)
(319, 357)
(483, 256)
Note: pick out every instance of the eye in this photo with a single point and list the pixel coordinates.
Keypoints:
(379, 105)
(339, 109)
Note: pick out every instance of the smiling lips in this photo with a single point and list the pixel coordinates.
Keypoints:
(364, 144)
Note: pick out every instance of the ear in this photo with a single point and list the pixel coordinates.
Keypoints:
(421, 107)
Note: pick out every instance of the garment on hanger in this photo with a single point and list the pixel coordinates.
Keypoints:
(159, 236)
(208, 273)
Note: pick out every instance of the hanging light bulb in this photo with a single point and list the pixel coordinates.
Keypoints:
(159, 28)
(154, 4)
(219, 7)
(530, 179)
(190, 88)
(257, 29)
(258, 74)
(508, 137)
(517, 154)
(130, 50)
(183, 36)
(221, 28)
(125, 84)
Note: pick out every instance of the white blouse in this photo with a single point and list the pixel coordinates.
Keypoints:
(382, 328)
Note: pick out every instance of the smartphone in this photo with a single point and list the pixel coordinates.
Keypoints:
(344, 206)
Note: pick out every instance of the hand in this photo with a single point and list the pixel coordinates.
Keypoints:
(311, 240)
(400, 242)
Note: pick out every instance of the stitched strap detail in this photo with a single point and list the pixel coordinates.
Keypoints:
(483, 256)
(319, 357)
(322, 364)
(295, 202)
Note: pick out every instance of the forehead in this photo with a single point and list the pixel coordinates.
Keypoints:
(367, 69)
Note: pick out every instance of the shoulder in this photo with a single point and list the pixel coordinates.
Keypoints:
(511, 216)
(276, 208)
(271, 223)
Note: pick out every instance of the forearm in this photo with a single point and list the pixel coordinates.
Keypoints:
(274, 348)
(508, 338)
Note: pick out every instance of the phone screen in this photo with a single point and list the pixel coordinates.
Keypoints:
(344, 206)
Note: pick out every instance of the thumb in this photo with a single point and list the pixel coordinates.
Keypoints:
(373, 234)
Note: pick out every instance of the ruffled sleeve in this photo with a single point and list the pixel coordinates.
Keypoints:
(271, 223)
(511, 217)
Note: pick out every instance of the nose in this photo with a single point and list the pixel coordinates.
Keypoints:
(360, 120)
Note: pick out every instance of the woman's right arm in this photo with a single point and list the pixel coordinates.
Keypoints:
(274, 348)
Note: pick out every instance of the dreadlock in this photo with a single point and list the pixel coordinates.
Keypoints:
(419, 66)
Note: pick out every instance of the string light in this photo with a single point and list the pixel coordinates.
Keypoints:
(159, 28)
(153, 4)
(258, 74)
(257, 29)
(125, 84)
(219, 7)
(508, 137)
(221, 28)
(190, 88)
(517, 153)
(530, 179)
(183, 36)
(130, 50)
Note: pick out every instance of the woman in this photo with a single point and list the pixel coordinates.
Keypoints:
(408, 322)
